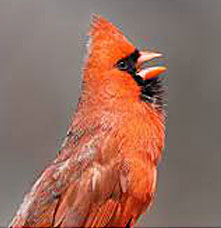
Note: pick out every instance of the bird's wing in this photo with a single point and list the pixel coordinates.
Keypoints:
(82, 188)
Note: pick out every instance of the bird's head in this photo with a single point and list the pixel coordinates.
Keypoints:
(112, 59)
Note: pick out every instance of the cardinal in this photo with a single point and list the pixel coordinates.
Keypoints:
(105, 173)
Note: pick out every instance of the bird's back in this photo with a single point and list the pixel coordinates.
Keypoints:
(105, 174)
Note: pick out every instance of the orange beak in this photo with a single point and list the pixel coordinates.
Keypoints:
(149, 72)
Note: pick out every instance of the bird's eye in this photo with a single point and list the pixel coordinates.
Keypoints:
(122, 64)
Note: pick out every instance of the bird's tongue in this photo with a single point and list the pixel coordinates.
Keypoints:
(149, 72)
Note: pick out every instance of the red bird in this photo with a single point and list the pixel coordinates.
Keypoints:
(106, 172)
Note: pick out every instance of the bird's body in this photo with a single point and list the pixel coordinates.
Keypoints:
(105, 174)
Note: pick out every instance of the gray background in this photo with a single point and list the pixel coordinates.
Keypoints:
(42, 44)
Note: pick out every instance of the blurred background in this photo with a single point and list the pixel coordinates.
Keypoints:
(42, 46)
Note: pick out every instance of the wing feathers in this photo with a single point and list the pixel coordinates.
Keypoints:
(83, 190)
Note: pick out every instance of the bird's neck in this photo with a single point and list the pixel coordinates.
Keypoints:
(113, 94)
(102, 89)
(112, 97)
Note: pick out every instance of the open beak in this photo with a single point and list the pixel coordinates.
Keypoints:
(149, 72)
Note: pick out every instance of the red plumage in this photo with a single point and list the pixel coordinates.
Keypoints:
(105, 174)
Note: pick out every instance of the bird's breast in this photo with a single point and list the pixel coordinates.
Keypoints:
(142, 135)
